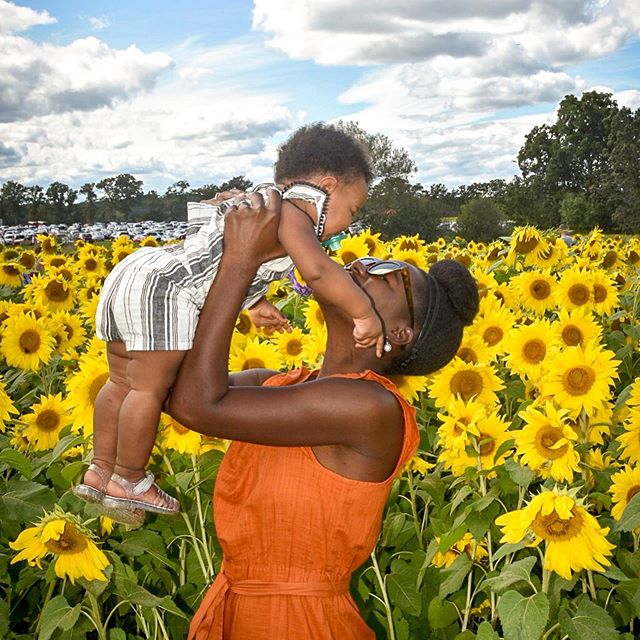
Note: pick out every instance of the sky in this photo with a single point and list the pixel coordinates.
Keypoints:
(203, 91)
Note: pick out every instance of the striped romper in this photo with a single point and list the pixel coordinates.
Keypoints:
(151, 300)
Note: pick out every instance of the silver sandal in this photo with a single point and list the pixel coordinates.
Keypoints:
(95, 496)
(162, 503)
(90, 494)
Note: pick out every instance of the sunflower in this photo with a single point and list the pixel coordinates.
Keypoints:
(179, 438)
(485, 282)
(149, 241)
(536, 290)
(90, 264)
(415, 257)
(28, 259)
(375, 246)
(625, 485)
(6, 406)
(61, 535)
(43, 424)
(526, 241)
(466, 381)
(121, 248)
(574, 539)
(414, 243)
(418, 464)
(576, 327)
(493, 326)
(314, 349)
(55, 293)
(605, 295)
(634, 396)
(460, 422)
(314, 318)
(55, 261)
(580, 377)
(26, 342)
(553, 255)
(545, 442)
(291, 346)
(467, 544)
(48, 244)
(480, 451)
(410, 386)
(63, 272)
(256, 355)
(630, 439)
(473, 349)
(11, 274)
(244, 326)
(83, 387)
(575, 289)
(529, 347)
(351, 248)
(71, 333)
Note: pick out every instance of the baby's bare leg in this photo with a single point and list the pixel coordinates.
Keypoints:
(105, 416)
(150, 375)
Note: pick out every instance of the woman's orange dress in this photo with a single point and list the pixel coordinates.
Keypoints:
(292, 533)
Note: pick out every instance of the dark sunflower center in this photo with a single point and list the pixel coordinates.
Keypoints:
(27, 260)
(56, 291)
(466, 384)
(294, 347)
(572, 336)
(29, 341)
(577, 381)
(525, 246)
(546, 254)
(71, 541)
(599, 293)
(57, 262)
(633, 256)
(610, 259)
(10, 270)
(553, 528)
(632, 492)
(488, 444)
(122, 255)
(348, 256)
(243, 325)
(178, 428)
(540, 289)
(468, 355)
(493, 335)
(253, 363)
(97, 384)
(319, 315)
(408, 244)
(10, 254)
(534, 351)
(371, 244)
(90, 264)
(546, 438)
(48, 420)
(579, 294)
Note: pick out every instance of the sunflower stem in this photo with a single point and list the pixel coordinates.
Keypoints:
(97, 617)
(550, 631)
(47, 597)
(205, 538)
(467, 606)
(385, 597)
(592, 586)
(546, 574)
(414, 510)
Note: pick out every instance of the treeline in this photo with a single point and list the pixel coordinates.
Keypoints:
(583, 170)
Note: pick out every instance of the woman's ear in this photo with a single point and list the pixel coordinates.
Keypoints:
(401, 335)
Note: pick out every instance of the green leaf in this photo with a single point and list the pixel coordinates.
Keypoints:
(629, 590)
(478, 522)
(523, 618)
(519, 571)
(507, 548)
(403, 593)
(4, 619)
(57, 614)
(589, 622)
(441, 613)
(459, 496)
(15, 460)
(454, 576)
(65, 443)
(522, 476)
(486, 632)
(451, 537)
(25, 501)
(117, 634)
(630, 516)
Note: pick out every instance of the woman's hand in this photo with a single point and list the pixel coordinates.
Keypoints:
(251, 229)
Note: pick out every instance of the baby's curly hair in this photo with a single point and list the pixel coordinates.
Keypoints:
(321, 148)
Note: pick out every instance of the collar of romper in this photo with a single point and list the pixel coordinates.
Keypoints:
(208, 621)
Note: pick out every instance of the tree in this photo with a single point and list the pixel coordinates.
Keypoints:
(88, 208)
(60, 199)
(388, 161)
(13, 201)
(121, 192)
(480, 219)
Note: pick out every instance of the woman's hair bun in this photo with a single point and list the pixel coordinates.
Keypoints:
(460, 286)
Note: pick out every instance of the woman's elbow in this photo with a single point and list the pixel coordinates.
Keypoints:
(180, 409)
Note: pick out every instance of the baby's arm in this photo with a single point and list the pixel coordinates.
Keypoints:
(326, 277)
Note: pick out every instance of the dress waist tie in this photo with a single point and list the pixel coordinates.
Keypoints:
(208, 621)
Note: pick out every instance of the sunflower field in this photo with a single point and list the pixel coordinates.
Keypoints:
(519, 518)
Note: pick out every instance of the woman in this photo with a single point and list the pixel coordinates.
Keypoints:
(296, 519)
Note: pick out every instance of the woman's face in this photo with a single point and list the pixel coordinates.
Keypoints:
(389, 295)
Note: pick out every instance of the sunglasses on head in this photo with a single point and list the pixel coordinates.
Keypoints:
(378, 267)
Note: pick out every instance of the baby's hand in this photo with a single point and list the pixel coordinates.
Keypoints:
(367, 332)
(264, 314)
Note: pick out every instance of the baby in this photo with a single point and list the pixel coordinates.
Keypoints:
(150, 303)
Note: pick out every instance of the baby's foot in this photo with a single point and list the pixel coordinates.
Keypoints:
(94, 485)
(143, 493)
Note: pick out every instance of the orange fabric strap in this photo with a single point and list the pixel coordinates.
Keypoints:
(208, 621)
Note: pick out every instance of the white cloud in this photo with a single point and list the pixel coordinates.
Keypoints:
(97, 23)
(14, 18)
